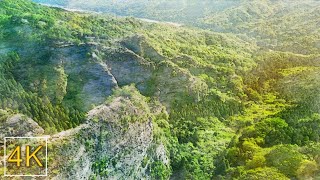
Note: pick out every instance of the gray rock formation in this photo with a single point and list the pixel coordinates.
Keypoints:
(19, 126)
(115, 143)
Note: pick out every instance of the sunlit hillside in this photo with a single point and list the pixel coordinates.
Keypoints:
(232, 92)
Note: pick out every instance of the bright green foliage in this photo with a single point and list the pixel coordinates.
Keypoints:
(238, 106)
(159, 171)
(263, 174)
(280, 25)
(100, 167)
(53, 117)
(286, 159)
(30, 83)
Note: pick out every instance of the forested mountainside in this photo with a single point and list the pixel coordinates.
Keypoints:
(279, 25)
(181, 11)
(156, 101)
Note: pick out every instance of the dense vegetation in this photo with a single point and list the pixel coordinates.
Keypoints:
(52, 116)
(182, 11)
(240, 106)
(280, 25)
(40, 92)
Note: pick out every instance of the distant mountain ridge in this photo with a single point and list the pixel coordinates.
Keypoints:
(259, 21)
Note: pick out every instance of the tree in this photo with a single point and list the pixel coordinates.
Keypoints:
(285, 158)
(307, 169)
(263, 174)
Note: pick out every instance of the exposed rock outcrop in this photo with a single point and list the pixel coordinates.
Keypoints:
(19, 126)
(115, 143)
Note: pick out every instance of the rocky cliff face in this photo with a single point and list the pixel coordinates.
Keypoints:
(116, 142)
(18, 125)
(84, 75)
